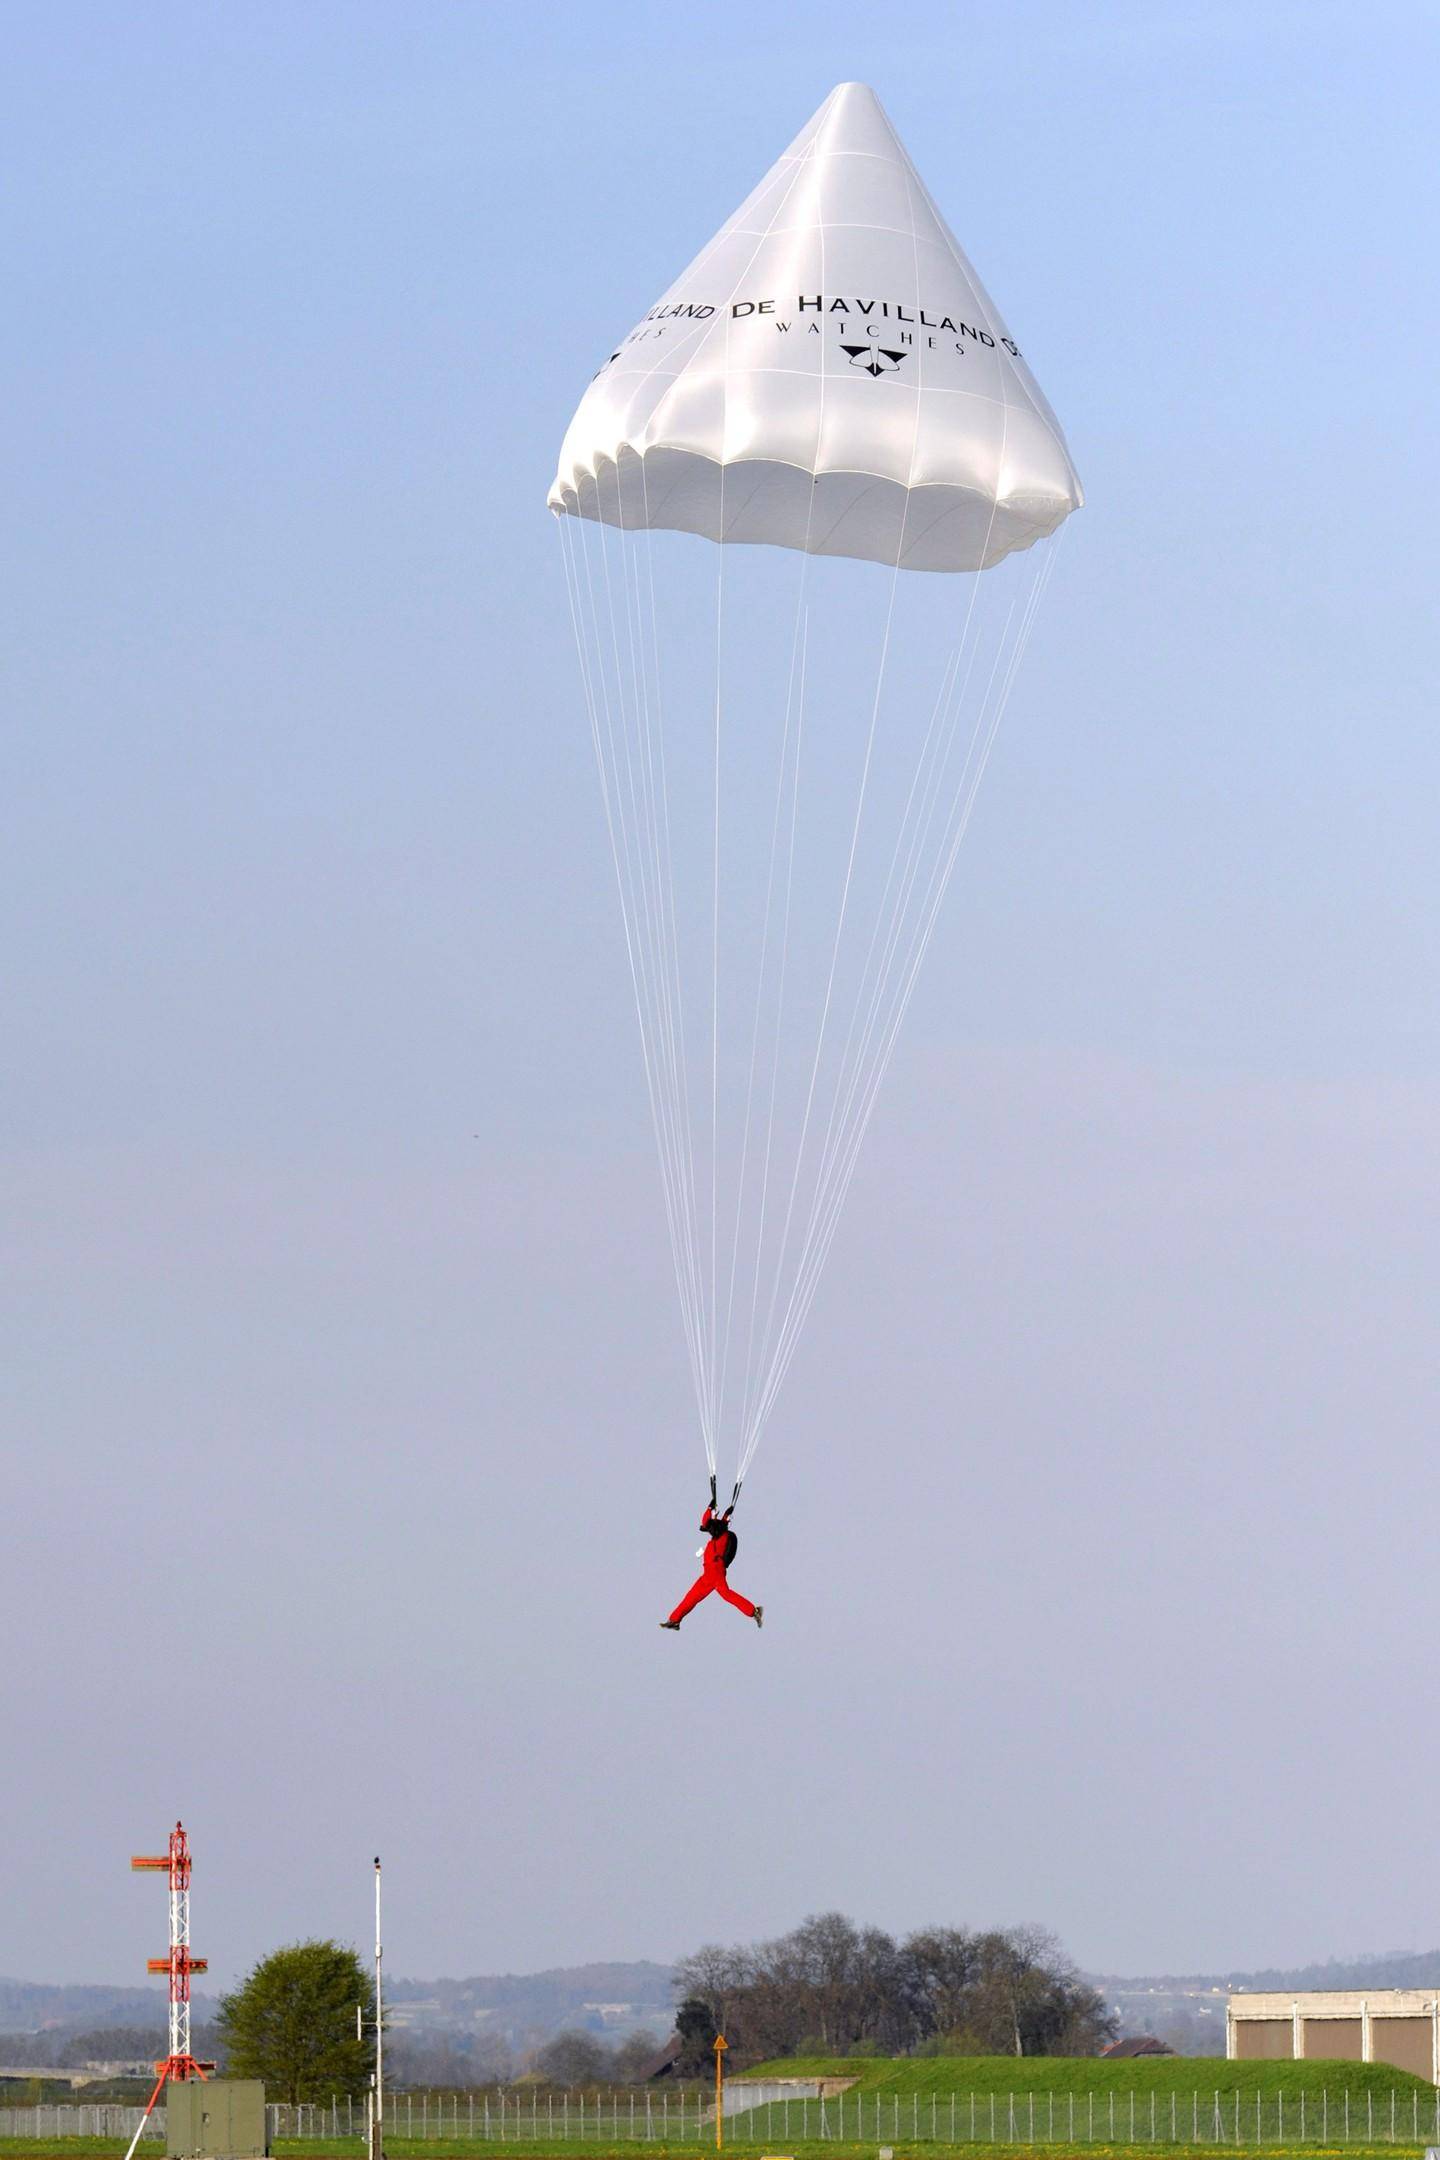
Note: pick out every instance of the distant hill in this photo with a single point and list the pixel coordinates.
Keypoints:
(1393, 1968)
(613, 1999)
(523, 2009)
(607, 1998)
(1188, 2009)
(28, 2006)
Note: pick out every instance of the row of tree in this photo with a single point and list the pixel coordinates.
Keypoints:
(832, 1988)
(827, 1988)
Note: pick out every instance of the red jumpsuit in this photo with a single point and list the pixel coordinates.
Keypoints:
(712, 1572)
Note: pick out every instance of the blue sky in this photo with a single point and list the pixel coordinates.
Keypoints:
(335, 1294)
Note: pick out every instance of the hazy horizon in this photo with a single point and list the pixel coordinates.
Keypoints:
(458, 1976)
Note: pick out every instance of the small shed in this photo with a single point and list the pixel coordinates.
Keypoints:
(215, 2119)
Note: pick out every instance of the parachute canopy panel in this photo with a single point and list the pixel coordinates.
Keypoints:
(829, 374)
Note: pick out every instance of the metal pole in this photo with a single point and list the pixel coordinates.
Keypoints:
(377, 2127)
(719, 2090)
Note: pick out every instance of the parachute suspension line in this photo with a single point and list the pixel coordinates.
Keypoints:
(941, 881)
(625, 709)
(636, 916)
(848, 1156)
(715, 1404)
(784, 1243)
(797, 647)
(653, 915)
(674, 983)
(935, 752)
(926, 922)
(656, 826)
(592, 671)
(803, 626)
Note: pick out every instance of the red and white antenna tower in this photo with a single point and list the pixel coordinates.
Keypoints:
(179, 2064)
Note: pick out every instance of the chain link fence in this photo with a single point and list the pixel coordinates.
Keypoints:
(95, 2120)
(1146, 2118)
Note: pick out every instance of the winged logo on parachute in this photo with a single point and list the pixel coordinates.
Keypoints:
(869, 358)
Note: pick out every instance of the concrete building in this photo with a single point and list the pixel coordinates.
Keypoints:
(1399, 2026)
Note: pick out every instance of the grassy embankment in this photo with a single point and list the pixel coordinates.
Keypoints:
(1065, 2073)
(1155, 2104)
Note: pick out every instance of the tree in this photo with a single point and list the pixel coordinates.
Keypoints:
(448, 2058)
(292, 2023)
(831, 1988)
(1025, 1997)
(573, 2058)
(940, 1967)
(633, 2057)
(696, 2026)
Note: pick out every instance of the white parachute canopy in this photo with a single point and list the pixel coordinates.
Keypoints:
(828, 374)
(789, 747)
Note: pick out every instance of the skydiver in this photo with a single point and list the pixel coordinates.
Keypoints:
(715, 1557)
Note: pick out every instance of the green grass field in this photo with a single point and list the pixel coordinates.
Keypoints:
(1179, 2106)
(796, 2149)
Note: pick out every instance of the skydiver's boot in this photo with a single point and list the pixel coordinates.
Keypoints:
(671, 1624)
(759, 1616)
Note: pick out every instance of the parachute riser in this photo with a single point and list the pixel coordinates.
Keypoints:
(715, 1495)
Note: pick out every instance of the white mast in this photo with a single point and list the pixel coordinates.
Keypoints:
(377, 2123)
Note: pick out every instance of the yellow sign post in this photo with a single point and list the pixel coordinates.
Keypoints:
(720, 2046)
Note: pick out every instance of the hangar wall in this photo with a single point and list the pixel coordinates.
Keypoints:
(1399, 2026)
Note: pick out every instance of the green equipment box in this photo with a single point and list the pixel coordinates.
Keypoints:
(222, 2119)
